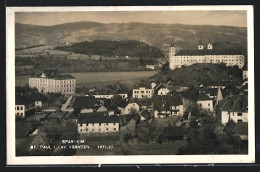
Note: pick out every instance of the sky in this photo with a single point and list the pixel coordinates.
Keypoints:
(228, 18)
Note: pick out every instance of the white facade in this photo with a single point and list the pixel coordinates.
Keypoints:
(142, 93)
(235, 116)
(176, 61)
(245, 74)
(131, 106)
(53, 85)
(163, 91)
(98, 127)
(38, 104)
(108, 96)
(206, 105)
(20, 110)
(230, 60)
(174, 111)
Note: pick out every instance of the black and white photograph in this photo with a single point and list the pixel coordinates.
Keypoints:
(95, 85)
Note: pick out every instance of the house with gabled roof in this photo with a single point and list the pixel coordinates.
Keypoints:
(97, 122)
(22, 105)
(167, 105)
(205, 102)
(233, 108)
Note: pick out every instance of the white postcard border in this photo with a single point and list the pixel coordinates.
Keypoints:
(128, 159)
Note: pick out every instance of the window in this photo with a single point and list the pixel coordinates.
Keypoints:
(200, 105)
(18, 108)
(107, 123)
(114, 123)
(21, 114)
(99, 124)
(239, 120)
(114, 129)
(80, 125)
(239, 114)
(92, 124)
(209, 104)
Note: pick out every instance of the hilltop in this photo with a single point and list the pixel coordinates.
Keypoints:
(108, 48)
(158, 35)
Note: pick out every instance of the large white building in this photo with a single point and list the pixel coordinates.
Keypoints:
(98, 122)
(53, 82)
(230, 57)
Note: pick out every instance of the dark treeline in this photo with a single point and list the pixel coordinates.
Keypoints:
(129, 48)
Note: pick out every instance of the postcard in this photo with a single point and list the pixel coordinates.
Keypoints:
(130, 85)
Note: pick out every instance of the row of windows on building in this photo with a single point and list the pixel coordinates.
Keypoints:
(20, 114)
(142, 91)
(52, 81)
(55, 86)
(94, 123)
(94, 130)
(18, 108)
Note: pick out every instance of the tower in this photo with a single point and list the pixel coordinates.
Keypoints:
(200, 46)
(209, 46)
(171, 56)
(219, 95)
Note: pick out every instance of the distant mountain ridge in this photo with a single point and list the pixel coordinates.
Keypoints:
(158, 35)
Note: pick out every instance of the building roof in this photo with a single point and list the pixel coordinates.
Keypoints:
(82, 102)
(212, 91)
(22, 100)
(241, 128)
(202, 96)
(97, 119)
(105, 113)
(236, 103)
(54, 74)
(191, 94)
(165, 101)
(196, 52)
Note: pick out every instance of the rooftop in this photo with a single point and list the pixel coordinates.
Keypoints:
(53, 73)
(202, 96)
(164, 102)
(236, 103)
(209, 52)
(82, 102)
(97, 119)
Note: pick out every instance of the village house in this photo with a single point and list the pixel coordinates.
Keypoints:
(233, 108)
(144, 91)
(150, 67)
(163, 91)
(22, 105)
(168, 105)
(205, 102)
(97, 123)
(127, 108)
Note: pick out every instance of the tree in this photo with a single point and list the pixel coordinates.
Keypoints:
(116, 101)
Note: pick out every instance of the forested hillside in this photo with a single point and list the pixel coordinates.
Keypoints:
(109, 48)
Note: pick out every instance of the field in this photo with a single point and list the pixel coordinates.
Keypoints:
(98, 79)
